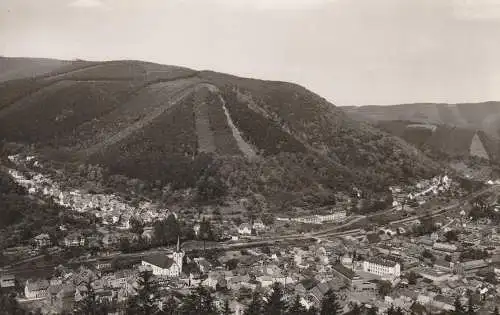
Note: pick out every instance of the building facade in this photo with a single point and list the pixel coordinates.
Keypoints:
(382, 267)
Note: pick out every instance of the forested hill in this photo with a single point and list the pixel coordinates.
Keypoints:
(181, 128)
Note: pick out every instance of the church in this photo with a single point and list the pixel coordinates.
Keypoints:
(166, 265)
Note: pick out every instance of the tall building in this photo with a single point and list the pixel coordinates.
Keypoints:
(382, 267)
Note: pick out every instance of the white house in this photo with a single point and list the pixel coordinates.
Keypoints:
(36, 289)
(382, 267)
(74, 240)
(259, 225)
(42, 240)
(245, 229)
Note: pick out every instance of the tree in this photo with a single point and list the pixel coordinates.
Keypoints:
(226, 310)
(427, 254)
(276, 304)
(297, 308)
(313, 310)
(232, 263)
(256, 305)
(9, 305)
(412, 278)
(459, 309)
(125, 245)
(451, 236)
(268, 219)
(210, 186)
(88, 305)
(167, 231)
(199, 302)
(206, 232)
(330, 304)
(170, 306)
(136, 226)
(395, 311)
(144, 303)
(491, 277)
(355, 309)
(471, 308)
(384, 288)
(496, 312)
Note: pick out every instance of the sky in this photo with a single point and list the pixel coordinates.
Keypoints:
(352, 52)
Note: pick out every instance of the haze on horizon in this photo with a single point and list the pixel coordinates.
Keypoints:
(353, 52)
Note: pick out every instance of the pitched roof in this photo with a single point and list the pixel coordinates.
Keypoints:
(381, 261)
(346, 272)
(159, 260)
(37, 285)
(245, 226)
(42, 236)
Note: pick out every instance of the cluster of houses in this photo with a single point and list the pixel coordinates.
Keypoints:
(60, 293)
(429, 271)
(255, 227)
(421, 192)
(110, 208)
(355, 266)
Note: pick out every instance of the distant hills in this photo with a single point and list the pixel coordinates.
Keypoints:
(18, 68)
(475, 116)
(185, 128)
(457, 130)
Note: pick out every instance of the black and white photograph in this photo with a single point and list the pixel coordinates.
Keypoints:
(248, 157)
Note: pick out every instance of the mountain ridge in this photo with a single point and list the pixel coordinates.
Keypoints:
(173, 125)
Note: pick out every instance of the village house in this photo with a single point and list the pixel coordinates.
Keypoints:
(7, 281)
(41, 241)
(36, 289)
(109, 240)
(444, 303)
(435, 275)
(245, 229)
(203, 265)
(74, 240)
(148, 234)
(470, 267)
(258, 225)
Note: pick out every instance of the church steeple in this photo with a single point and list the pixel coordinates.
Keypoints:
(178, 256)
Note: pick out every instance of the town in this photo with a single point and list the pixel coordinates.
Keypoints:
(433, 250)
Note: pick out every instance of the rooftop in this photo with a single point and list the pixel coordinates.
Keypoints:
(382, 261)
(159, 260)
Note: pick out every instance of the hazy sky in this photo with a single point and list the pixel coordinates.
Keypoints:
(353, 52)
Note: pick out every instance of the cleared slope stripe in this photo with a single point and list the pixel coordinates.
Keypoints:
(138, 125)
(204, 132)
(244, 147)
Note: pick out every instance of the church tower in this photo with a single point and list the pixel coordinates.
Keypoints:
(178, 255)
